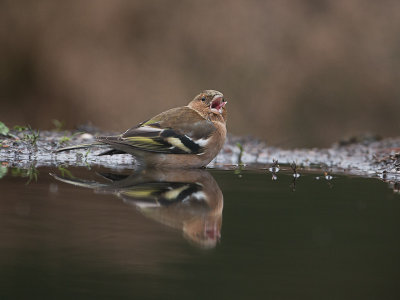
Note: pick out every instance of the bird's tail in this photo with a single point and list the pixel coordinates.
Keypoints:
(79, 182)
(81, 146)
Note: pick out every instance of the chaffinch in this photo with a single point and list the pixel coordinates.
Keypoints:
(188, 200)
(183, 137)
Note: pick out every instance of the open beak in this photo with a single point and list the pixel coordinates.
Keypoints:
(217, 104)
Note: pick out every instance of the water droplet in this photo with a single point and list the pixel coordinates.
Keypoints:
(274, 169)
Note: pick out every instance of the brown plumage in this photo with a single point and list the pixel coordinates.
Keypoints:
(184, 137)
(188, 200)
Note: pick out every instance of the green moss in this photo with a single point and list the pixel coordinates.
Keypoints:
(4, 129)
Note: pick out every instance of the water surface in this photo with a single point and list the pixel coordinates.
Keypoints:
(213, 234)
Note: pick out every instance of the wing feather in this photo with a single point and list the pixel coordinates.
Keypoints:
(175, 131)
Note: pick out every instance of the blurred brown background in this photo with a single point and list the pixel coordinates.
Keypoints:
(295, 73)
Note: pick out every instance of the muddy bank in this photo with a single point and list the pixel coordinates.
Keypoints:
(367, 157)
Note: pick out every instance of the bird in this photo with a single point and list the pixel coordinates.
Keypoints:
(183, 137)
(189, 200)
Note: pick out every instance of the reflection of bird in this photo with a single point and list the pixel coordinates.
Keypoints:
(188, 200)
(184, 137)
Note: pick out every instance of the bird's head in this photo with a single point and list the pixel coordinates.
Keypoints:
(210, 103)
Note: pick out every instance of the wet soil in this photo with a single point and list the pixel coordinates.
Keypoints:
(357, 156)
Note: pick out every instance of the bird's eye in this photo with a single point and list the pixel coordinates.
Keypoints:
(203, 99)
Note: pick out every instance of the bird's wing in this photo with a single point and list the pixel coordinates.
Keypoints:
(179, 131)
(150, 194)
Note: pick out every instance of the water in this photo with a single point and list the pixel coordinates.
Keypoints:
(199, 234)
